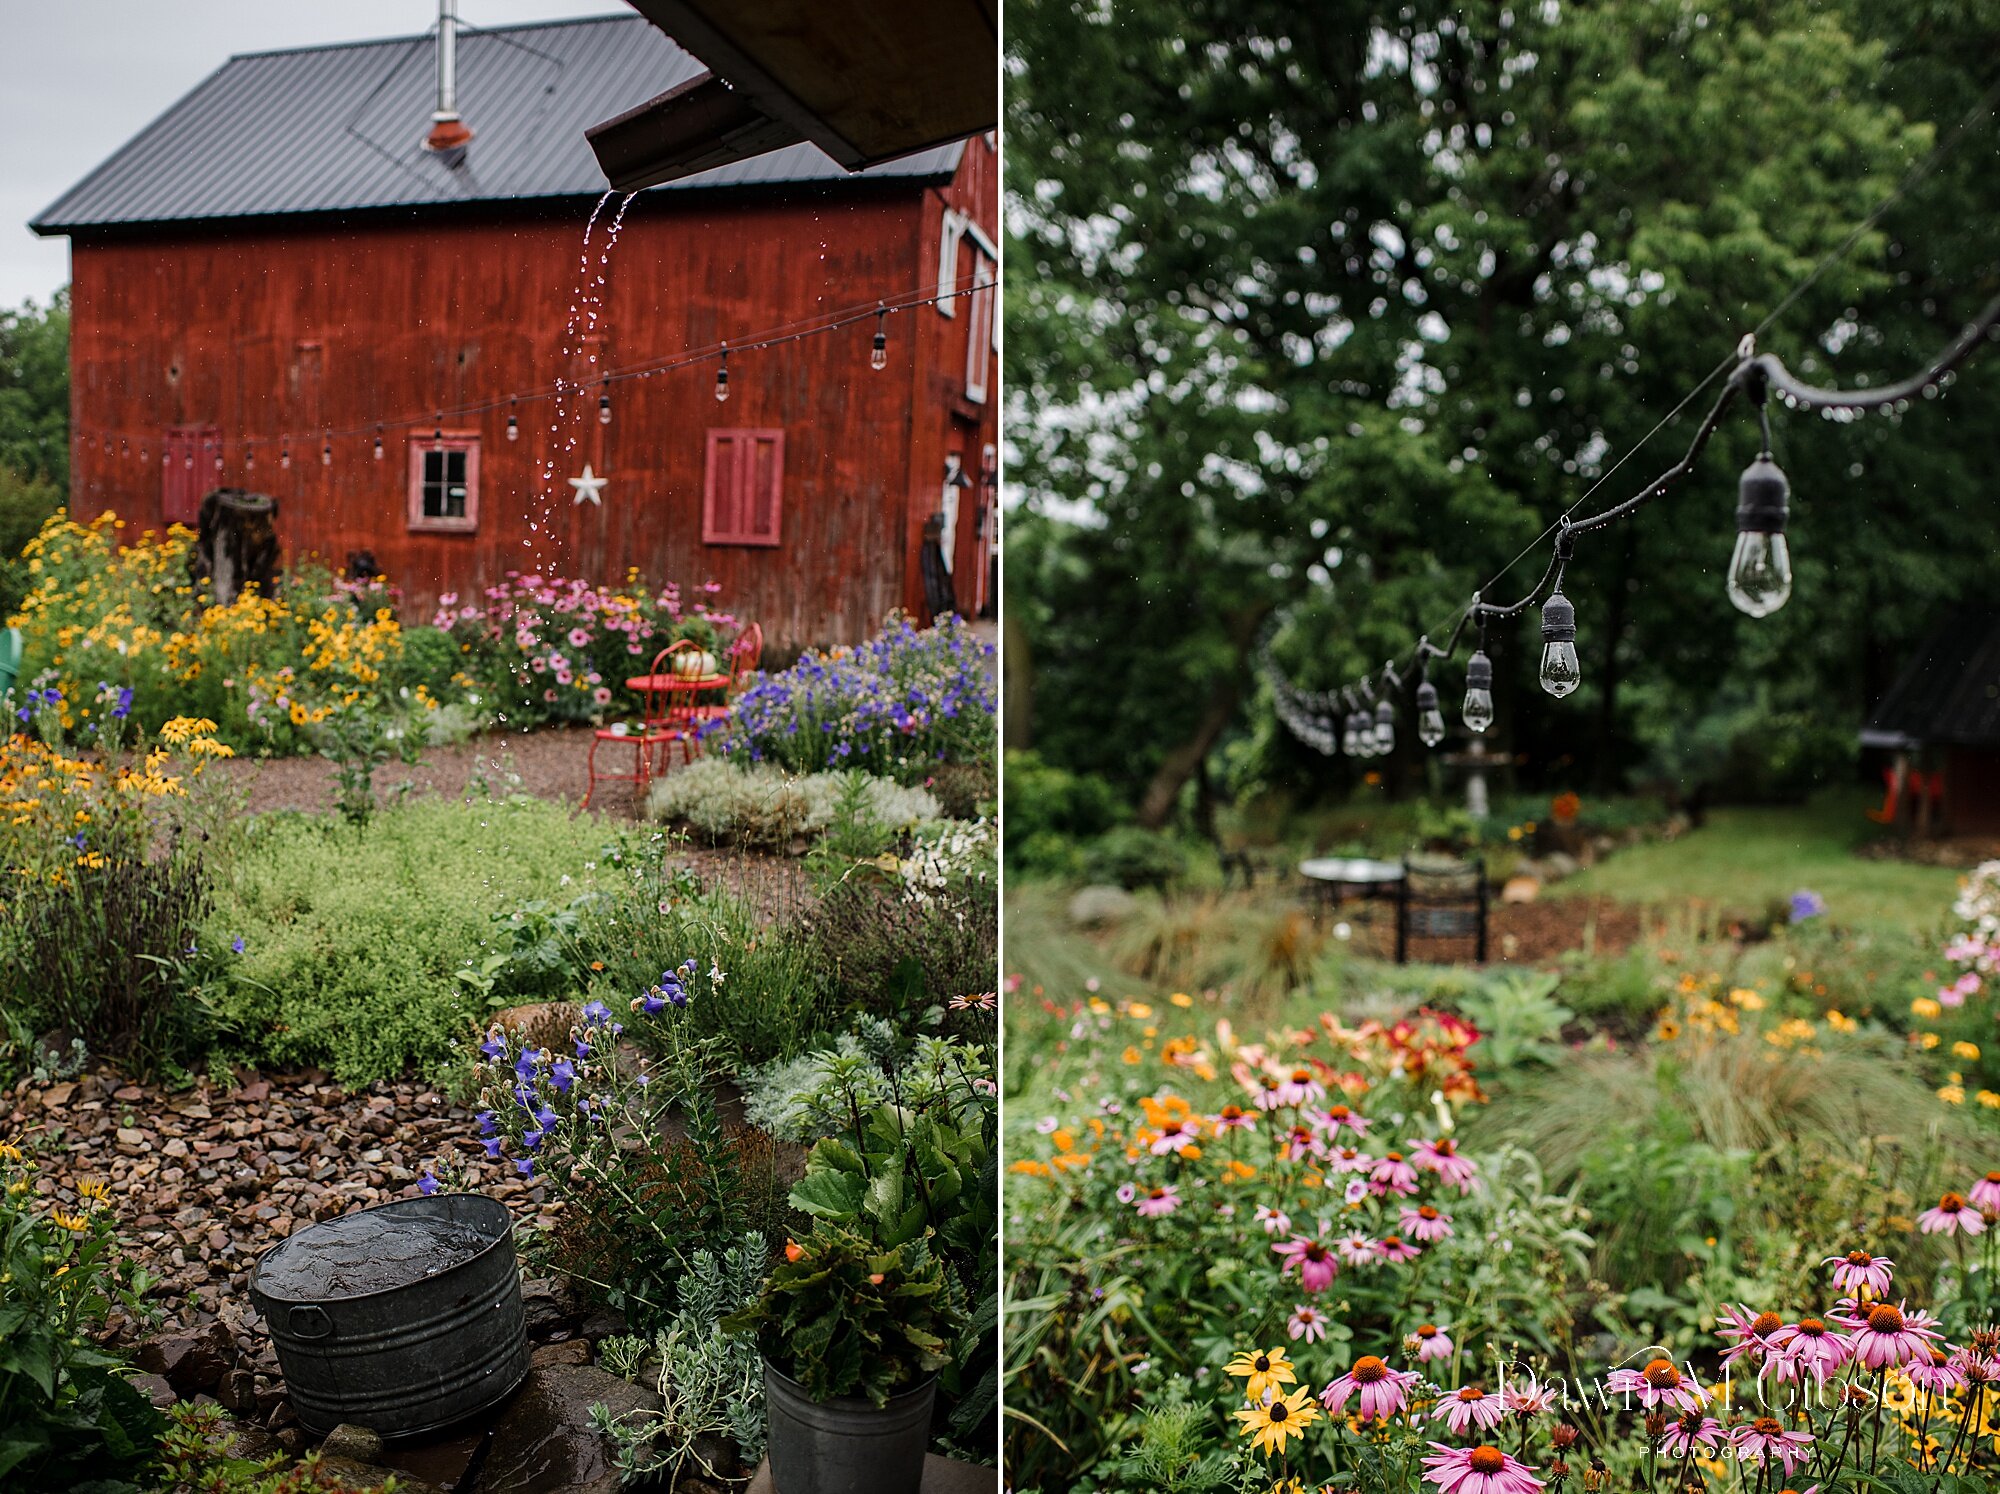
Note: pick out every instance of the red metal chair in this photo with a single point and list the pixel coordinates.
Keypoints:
(744, 656)
(661, 724)
(671, 715)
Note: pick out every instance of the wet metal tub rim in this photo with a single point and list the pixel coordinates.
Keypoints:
(505, 1237)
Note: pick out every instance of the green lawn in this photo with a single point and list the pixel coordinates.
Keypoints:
(1745, 857)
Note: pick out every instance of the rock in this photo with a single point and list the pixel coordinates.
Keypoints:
(1096, 907)
(570, 1351)
(544, 1442)
(191, 1362)
(941, 1476)
(550, 1308)
(155, 1389)
(1520, 890)
(349, 1473)
(350, 1441)
(603, 1324)
(717, 1455)
(250, 1442)
(545, 1024)
(291, 1439)
(1559, 864)
(237, 1391)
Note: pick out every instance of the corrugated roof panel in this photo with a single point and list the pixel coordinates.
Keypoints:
(340, 128)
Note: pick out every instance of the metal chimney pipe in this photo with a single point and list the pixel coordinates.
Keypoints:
(448, 131)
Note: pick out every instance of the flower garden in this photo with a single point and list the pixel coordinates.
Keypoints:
(1715, 1212)
(729, 1066)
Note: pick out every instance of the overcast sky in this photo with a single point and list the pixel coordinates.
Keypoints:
(85, 76)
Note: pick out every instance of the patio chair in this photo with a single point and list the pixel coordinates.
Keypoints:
(11, 649)
(1441, 902)
(744, 656)
(661, 724)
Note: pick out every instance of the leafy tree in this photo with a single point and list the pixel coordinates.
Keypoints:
(1322, 314)
(34, 390)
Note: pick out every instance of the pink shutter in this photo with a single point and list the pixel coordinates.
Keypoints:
(743, 493)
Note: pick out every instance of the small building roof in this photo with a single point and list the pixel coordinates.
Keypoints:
(340, 129)
(1949, 693)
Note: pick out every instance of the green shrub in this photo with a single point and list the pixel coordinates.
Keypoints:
(26, 503)
(761, 804)
(1048, 808)
(1134, 858)
(352, 935)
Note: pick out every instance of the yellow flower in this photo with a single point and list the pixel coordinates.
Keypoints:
(1928, 1040)
(94, 1190)
(1267, 1426)
(1264, 1370)
(1747, 999)
(75, 1223)
(1965, 1050)
(1926, 1008)
(1952, 1094)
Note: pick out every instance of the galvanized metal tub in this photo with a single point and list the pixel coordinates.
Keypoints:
(846, 1446)
(405, 1318)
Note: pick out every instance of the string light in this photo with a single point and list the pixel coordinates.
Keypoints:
(326, 452)
(604, 404)
(378, 443)
(878, 354)
(249, 456)
(513, 421)
(1760, 571)
(722, 376)
(285, 456)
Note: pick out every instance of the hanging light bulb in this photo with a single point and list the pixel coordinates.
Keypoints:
(878, 355)
(249, 456)
(1560, 671)
(1350, 742)
(188, 461)
(513, 421)
(326, 453)
(378, 443)
(1478, 692)
(218, 458)
(1760, 572)
(722, 377)
(1430, 720)
(604, 405)
(285, 456)
(1385, 729)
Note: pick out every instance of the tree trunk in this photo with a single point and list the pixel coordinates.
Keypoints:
(1217, 711)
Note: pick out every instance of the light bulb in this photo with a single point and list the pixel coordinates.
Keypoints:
(378, 445)
(1478, 692)
(513, 427)
(604, 409)
(285, 457)
(1385, 729)
(326, 454)
(1760, 572)
(1560, 671)
(1350, 740)
(722, 378)
(878, 356)
(1430, 720)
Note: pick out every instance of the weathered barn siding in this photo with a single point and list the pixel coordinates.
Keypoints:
(295, 326)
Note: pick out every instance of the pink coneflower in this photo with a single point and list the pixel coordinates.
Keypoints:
(1859, 1272)
(1658, 1384)
(1275, 1221)
(1234, 1118)
(1748, 1334)
(1986, 1193)
(1765, 1438)
(1308, 1323)
(1356, 1250)
(1939, 1374)
(1177, 1136)
(1442, 1158)
(1315, 1263)
(1299, 1086)
(1470, 1406)
(1336, 1116)
(1950, 1216)
(1160, 1201)
(1383, 1391)
(1478, 1470)
(1429, 1342)
(1426, 1224)
(1267, 1095)
(1807, 1347)
(1528, 1398)
(1888, 1337)
(1692, 1430)
(1391, 1174)
(1348, 1159)
(1395, 1248)
(1300, 1143)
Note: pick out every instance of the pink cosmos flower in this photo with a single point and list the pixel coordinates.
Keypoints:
(1347, 1159)
(1308, 1323)
(1861, 1273)
(1986, 1193)
(1275, 1221)
(1955, 993)
(1383, 1391)
(601, 695)
(1356, 1250)
(1950, 1216)
(1470, 1406)
(1430, 1342)
(1692, 1430)
(1355, 1191)
(1426, 1224)
(1160, 1202)
(1478, 1470)
(1748, 1333)
(1177, 1136)
(1395, 1248)
(1807, 1347)
(1391, 1174)
(1766, 1438)
(1658, 1384)
(1126, 1191)
(1315, 1263)
(579, 638)
(1887, 1337)
(1442, 1158)
(1336, 1116)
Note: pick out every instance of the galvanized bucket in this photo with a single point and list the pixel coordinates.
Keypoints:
(405, 1318)
(846, 1446)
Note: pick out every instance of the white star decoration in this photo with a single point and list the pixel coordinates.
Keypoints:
(589, 486)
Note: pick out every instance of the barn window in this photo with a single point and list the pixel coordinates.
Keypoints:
(979, 341)
(949, 236)
(742, 498)
(444, 483)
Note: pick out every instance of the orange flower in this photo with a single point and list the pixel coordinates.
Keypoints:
(794, 1251)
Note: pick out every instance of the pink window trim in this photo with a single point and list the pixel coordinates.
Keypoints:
(465, 441)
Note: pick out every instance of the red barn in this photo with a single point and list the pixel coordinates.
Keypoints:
(279, 285)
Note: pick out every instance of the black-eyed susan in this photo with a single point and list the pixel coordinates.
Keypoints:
(76, 1224)
(1263, 1370)
(1269, 1424)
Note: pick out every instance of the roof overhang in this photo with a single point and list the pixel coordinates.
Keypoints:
(1892, 741)
(867, 81)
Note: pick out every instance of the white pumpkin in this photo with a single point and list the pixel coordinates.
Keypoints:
(692, 665)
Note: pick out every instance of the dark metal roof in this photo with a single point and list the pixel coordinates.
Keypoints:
(340, 129)
(1950, 692)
